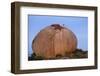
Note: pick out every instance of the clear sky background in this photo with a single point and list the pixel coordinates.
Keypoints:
(78, 25)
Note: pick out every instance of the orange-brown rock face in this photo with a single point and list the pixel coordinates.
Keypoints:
(54, 40)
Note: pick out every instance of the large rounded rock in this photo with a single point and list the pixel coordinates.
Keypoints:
(53, 41)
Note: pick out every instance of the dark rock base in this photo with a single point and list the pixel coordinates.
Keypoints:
(78, 53)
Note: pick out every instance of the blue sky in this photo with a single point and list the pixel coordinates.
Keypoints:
(79, 26)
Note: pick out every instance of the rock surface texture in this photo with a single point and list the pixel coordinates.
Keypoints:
(54, 41)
